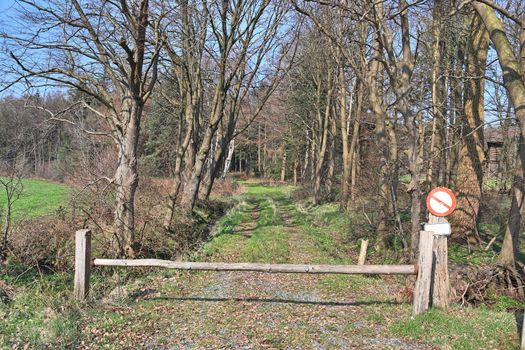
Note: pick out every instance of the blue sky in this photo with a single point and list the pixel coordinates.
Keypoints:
(5, 5)
(7, 11)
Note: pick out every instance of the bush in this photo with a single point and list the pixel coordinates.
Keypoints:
(302, 194)
(45, 243)
(226, 188)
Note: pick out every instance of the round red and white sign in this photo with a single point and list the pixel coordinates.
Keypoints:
(441, 201)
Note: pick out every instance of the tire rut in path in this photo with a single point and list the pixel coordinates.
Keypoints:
(246, 229)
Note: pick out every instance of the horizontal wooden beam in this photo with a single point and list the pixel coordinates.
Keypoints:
(277, 268)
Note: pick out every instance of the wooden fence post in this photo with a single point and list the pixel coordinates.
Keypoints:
(440, 278)
(82, 263)
(424, 273)
(362, 253)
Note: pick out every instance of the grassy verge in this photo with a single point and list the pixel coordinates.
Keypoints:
(462, 328)
(41, 313)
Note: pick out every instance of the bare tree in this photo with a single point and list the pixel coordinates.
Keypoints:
(234, 40)
(107, 50)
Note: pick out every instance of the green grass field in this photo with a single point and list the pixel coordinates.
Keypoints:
(39, 198)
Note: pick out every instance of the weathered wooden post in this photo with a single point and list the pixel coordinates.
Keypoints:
(362, 252)
(440, 278)
(82, 263)
(424, 273)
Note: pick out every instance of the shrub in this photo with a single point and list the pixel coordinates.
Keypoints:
(44, 243)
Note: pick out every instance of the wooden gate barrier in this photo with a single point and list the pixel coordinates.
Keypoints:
(431, 287)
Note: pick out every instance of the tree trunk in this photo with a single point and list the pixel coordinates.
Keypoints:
(393, 169)
(240, 162)
(295, 165)
(178, 176)
(126, 180)
(356, 167)
(382, 144)
(376, 103)
(456, 103)
(512, 80)
(469, 182)
(265, 154)
(7, 225)
(228, 161)
(510, 66)
(354, 144)
(210, 168)
(402, 90)
(510, 245)
(283, 166)
(189, 76)
(191, 189)
(331, 153)
(414, 167)
(343, 121)
(304, 171)
(437, 97)
(259, 151)
(324, 119)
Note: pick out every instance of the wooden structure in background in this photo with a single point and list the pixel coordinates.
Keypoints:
(495, 139)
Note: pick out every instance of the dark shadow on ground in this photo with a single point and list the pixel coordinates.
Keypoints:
(277, 301)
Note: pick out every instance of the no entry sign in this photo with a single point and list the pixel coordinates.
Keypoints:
(441, 201)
